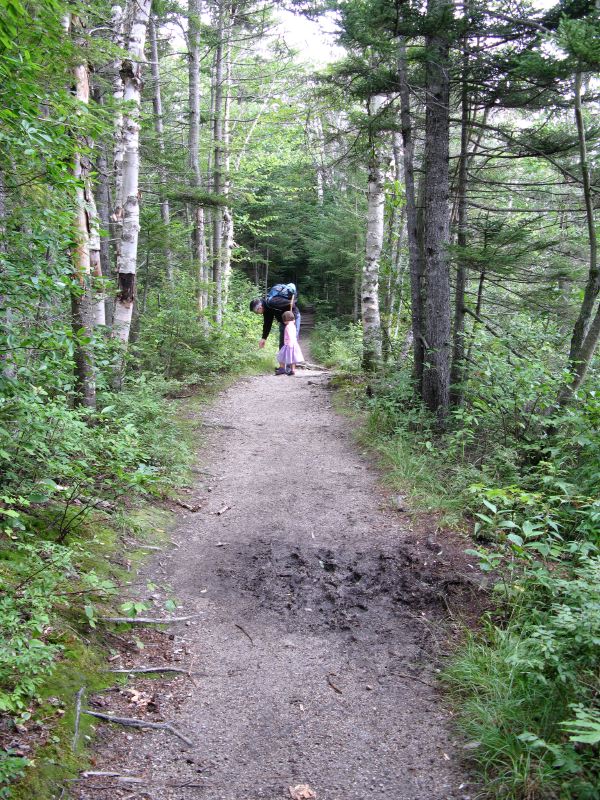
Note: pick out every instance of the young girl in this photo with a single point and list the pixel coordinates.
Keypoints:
(290, 354)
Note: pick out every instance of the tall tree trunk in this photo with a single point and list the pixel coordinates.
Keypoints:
(586, 331)
(415, 261)
(436, 374)
(227, 243)
(198, 234)
(458, 348)
(118, 26)
(217, 187)
(102, 202)
(81, 294)
(371, 322)
(396, 228)
(6, 366)
(165, 212)
(131, 73)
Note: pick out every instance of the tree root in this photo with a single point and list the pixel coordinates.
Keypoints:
(149, 620)
(130, 722)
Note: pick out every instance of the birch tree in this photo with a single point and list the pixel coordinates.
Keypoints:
(415, 261)
(199, 257)
(217, 157)
(131, 75)
(81, 296)
(165, 212)
(371, 322)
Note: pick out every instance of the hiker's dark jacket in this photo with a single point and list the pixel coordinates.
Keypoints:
(274, 309)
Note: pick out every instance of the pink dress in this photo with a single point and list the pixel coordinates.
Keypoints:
(290, 353)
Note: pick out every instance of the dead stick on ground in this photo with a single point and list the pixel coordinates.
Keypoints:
(413, 678)
(77, 716)
(149, 620)
(333, 686)
(129, 722)
(239, 627)
(142, 670)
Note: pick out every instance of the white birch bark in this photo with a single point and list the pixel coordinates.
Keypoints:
(217, 214)
(99, 299)
(81, 297)
(118, 28)
(198, 234)
(371, 322)
(165, 211)
(227, 243)
(131, 73)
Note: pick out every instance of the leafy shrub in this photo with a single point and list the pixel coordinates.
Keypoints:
(338, 345)
(31, 574)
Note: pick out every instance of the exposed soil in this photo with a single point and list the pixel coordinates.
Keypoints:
(324, 613)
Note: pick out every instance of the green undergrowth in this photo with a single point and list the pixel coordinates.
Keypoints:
(52, 641)
(523, 477)
(82, 492)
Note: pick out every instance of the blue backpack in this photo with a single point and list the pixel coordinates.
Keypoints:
(285, 290)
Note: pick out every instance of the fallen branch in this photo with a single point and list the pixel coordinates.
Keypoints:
(77, 716)
(92, 773)
(333, 686)
(143, 670)
(188, 507)
(149, 620)
(130, 722)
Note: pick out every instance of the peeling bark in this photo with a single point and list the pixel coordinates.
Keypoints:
(217, 214)
(371, 322)
(199, 255)
(131, 75)
(227, 243)
(81, 294)
(415, 262)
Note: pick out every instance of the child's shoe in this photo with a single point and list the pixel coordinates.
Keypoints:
(280, 371)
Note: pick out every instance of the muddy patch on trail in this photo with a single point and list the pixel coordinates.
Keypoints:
(340, 586)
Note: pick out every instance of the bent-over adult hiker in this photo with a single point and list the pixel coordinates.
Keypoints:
(279, 299)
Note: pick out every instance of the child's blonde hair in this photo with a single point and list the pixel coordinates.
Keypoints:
(287, 316)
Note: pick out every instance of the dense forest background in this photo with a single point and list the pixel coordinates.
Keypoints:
(434, 196)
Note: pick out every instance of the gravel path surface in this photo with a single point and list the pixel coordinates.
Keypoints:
(318, 618)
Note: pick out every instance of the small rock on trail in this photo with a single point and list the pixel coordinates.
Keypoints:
(313, 653)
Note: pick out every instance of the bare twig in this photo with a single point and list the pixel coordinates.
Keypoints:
(80, 694)
(149, 620)
(333, 686)
(130, 722)
(414, 678)
(221, 510)
(245, 632)
(143, 670)
(92, 773)
(189, 507)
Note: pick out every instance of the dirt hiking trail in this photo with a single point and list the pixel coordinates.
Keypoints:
(320, 614)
